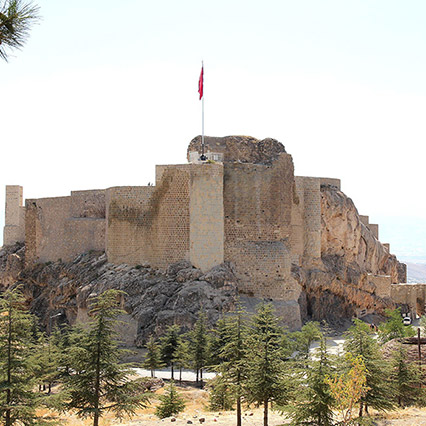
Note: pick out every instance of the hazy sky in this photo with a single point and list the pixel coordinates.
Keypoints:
(104, 90)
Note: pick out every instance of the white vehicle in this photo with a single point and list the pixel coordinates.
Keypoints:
(407, 321)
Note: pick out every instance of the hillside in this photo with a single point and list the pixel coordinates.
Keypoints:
(416, 272)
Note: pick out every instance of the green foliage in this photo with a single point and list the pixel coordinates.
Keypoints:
(406, 380)
(99, 382)
(17, 401)
(313, 400)
(153, 356)
(198, 350)
(169, 344)
(171, 403)
(266, 380)
(16, 19)
(394, 327)
(349, 388)
(309, 333)
(221, 394)
(47, 360)
(360, 342)
(181, 356)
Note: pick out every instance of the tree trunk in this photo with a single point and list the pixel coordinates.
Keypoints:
(9, 369)
(180, 375)
(196, 375)
(265, 412)
(201, 378)
(152, 373)
(361, 406)
(239, 410)
(173, 371)
(97, 382)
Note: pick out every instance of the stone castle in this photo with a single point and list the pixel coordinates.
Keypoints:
(244, 205)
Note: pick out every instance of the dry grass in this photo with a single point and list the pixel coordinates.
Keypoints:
(197, 407)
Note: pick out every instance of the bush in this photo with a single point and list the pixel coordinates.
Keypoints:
(171, 403)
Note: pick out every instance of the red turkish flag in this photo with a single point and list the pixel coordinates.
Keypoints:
(201, 82)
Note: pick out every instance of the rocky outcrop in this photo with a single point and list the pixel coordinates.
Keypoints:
(344, 236)
(242, 149)
(351, 257)
(154, 299)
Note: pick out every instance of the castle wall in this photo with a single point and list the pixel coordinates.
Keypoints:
(258, 209)
(382, 284)
(330, 181)
(14, 229)
(62, 227)
(412, 295)
(206, 216)
(306, 221)
(150, 224)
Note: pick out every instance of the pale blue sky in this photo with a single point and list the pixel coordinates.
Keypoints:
(105, 90)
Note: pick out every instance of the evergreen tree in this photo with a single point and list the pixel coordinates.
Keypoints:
(313, 400)
(394, 327)
(232, 357)
(181, 356)
(266, 381)
(169, 344)
(198, 353)
(16, 19)
(360, 343)
(406, 379)
(309, 333)
(99, 382)
(153, 356)
(221, 394)
(171, 403)
(17, 401)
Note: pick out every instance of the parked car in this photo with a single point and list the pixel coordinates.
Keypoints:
(407, 321)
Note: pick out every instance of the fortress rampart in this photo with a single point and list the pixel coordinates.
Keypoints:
(248, 209)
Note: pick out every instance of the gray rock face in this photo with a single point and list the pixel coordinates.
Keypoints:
(154, 299)
(243, 149)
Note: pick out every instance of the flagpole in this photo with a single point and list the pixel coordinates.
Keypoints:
(202, 117)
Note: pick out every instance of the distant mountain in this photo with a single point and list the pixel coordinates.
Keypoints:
(416, 272)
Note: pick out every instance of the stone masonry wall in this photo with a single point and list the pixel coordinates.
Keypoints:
(258, 207)
(14, 229)
(382, 284)
(206, 216)
(150, 224)
(411, 295)
(59, 228)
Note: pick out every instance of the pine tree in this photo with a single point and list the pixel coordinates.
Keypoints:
(360, 342)
(99, 382)
(171, 403)
(266, 381)
(169, 344)
(16, 19)
(394, 327)
(406, 379)
(232, 356)
(309, 333)
(181, 356)
(17, 401)
(153, 356)
(221, 394)
(313, 402)
(198, 346)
